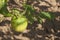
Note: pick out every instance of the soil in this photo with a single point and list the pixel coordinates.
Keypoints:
(49, 30)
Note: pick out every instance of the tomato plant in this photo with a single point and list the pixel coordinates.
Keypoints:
(20, 20)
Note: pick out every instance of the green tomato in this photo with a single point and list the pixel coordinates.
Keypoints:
(19, 24)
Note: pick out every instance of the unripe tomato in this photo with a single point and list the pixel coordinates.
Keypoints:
(19, 24)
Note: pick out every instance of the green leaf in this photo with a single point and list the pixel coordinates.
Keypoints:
(47, 15)
(29, 13)
(29, 8)
(5, 12)
(29, 17)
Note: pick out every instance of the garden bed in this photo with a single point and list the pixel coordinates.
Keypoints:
(46, 31)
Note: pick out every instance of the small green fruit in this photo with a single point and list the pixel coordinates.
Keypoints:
(19, 24)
